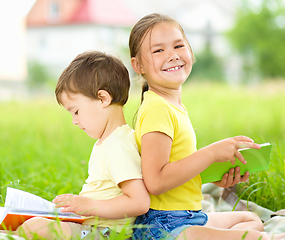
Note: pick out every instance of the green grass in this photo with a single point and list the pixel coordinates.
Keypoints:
(43, 153)
(218, 112)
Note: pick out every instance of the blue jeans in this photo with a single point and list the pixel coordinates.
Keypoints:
(156, 224)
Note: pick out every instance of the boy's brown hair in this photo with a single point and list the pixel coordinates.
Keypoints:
(92, 71)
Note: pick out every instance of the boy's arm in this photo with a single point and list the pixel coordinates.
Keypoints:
(133, 202)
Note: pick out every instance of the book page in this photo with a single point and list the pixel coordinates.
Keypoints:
(19, 199)
(3, 212)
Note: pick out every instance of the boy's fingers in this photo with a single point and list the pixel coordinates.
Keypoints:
(64, 196)
(67, 209)
(61, 199)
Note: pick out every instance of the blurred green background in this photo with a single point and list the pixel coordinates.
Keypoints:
(43, 153)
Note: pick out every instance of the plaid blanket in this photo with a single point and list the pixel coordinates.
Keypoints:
(221, 200)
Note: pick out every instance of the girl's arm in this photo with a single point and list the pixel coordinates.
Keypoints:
(160, 175)
(133, 202)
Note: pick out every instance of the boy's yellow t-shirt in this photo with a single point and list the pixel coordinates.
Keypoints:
(156, 114)
(115, 160)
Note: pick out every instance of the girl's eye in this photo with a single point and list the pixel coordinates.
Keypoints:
(157, 51)
(179, 46)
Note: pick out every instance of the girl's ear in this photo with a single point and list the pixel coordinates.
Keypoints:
(104, 97)
(137, 66)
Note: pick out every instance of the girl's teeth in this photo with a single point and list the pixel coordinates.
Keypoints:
(172, 69)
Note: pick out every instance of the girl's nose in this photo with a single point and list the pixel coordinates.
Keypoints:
(173, 57)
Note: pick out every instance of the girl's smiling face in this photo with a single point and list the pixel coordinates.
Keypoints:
(165, 58)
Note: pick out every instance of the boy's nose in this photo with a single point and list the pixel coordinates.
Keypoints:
(74, 121)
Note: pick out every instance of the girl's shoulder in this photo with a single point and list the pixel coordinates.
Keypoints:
(155, 107)
(151, 98)
(152, 103)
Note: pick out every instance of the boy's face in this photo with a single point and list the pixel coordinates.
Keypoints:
(87, 113)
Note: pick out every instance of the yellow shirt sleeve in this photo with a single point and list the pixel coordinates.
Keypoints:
(158, 118)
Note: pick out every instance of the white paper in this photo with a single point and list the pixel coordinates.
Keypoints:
(19, 202)
(27, 202)
(19, 199)
(3, 212)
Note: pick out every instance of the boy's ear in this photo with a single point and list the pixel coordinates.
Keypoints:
(104, 97)
(136, 66)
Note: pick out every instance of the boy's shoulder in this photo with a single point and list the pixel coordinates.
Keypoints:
(122, 134)
(122, 145)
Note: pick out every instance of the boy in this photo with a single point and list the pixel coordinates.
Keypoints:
(94, 88)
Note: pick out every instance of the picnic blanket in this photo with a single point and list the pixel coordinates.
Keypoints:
(222, 200)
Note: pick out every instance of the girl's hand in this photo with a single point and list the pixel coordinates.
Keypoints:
(229, 179)
(74, 203)
(227, 149)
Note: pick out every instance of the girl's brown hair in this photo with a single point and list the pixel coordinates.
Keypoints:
(143, 27)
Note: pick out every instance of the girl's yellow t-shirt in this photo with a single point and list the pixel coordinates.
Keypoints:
(156, 114)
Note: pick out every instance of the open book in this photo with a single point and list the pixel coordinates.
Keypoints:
(257, 160)
(21, 205)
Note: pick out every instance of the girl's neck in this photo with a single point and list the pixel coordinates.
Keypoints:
(171, 95)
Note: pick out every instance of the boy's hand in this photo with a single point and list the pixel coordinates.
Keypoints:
(229, 179)
(74, 203)
(133, 202)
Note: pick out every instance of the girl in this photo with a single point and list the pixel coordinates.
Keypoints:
(171, 166)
